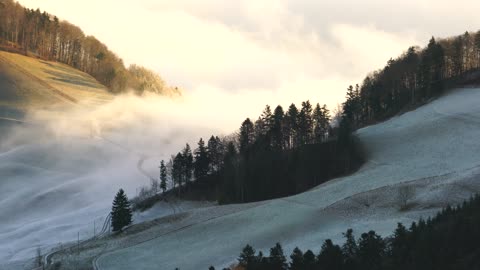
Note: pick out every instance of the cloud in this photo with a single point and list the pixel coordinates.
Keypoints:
(263, 52)
(239, 46)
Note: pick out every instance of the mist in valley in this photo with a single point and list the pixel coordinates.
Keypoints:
(60, 170)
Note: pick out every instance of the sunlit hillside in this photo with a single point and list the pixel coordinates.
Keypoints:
(29, 83)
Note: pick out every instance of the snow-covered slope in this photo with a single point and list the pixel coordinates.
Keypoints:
(434, 149)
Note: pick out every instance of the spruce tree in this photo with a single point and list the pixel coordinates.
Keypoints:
(246, 135)
(267, 118)
(297, 262)
(277, 259)
(163, 176)
(187, 163)
(325, 121)
(247, 257)
(177, 170)
(330, 256)
(215, 154)
(317, 120)
(309, 260)
(305, 123)
(350, 249)
(291, 127)
(201, 163)
(371, 248)
(121, 212)
(277, 128)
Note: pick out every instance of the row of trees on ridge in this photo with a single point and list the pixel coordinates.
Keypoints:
(29, 31)
(413, 78)
(279, 154)
(445, 242)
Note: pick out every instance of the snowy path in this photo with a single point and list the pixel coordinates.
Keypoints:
(434, 148)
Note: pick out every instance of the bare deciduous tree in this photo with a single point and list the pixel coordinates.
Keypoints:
(404, 195)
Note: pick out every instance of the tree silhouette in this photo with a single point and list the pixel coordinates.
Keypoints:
(163, 176)
(201, 164)
(121, 211)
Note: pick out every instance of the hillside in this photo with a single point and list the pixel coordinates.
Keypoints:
(431, 150)
(43, 35)
(27, 84)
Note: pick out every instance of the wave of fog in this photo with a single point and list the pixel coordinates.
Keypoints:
(60, 170)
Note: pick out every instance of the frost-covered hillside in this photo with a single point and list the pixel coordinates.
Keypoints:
(434, 149)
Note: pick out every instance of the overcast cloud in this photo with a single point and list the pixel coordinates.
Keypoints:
(253, 52)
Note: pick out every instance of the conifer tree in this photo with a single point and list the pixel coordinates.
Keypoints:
(350, 249)
(121, 213)
(291, 127)
(246, 136)
(247, 257)
(267, 119)
(305, 123)
(177, 170)
(309, 260)
(399, 245)
(330, 256)
(277, 129)
(277, 258)
(163, 176)
(370, 251)
(215, 153)
(297, 260)
(201, 164)
(187, 163)
(318, 134)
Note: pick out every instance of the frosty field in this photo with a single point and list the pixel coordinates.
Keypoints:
(433, 149)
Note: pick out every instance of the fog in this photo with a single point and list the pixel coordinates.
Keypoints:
(60, 170)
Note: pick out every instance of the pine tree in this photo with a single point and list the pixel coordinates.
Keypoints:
(246, 136)
(325, 121)
(267, 119)
(177, 170)
(399, 245)
(350, 249)
(187, 163)
(305, 123)
(291, 127)
(330, 256)
(277, 128)
(215, 154)
(370, 251)
(297, 262)
(309, 260)
(121, 213)
(277, 258)
(247, 257)
(163, 176)
(201, 164)
(318, 134)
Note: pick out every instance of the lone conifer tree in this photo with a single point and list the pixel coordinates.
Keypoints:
(121, 211)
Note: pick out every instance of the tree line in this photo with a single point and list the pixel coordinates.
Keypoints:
(413, 78)
(279, 154)
(448, 241)
(43, 35)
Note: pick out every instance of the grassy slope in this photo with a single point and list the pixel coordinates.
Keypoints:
(29, 83)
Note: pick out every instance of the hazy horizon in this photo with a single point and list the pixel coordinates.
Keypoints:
(248, 54)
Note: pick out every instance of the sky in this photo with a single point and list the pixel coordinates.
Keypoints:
(249, 53)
